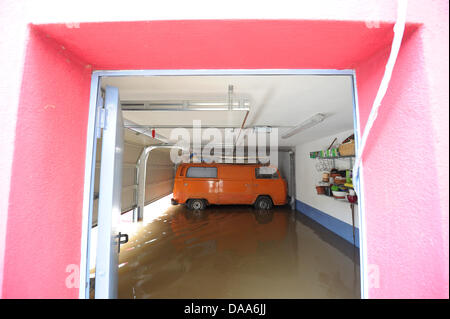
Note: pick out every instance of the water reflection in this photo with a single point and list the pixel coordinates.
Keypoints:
(235, 252)
(263, 216)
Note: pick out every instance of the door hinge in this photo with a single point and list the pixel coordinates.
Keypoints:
(101, 119)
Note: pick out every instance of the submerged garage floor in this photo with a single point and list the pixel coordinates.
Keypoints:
(236, 252)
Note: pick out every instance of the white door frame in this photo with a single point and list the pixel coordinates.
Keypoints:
(109, 202)
(91, 150)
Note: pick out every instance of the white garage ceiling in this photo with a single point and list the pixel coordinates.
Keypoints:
(279, 101)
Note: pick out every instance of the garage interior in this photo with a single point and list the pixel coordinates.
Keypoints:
(308, 248)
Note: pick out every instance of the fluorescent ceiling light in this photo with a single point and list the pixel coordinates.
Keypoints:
(314, 120)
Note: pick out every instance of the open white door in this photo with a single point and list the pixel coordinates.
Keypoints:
(109, 205)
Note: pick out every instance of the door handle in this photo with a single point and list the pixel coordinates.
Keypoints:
(121, 241)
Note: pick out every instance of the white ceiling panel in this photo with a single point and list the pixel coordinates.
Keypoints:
(279, 101)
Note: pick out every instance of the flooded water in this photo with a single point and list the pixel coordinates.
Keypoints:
(236, 252)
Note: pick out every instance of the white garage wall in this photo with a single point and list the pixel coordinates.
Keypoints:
(307, 178)
(284, 166)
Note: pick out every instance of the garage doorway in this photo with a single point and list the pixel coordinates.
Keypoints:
(155, 129)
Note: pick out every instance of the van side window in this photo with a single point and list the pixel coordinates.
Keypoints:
(266, 173)
(202, 172)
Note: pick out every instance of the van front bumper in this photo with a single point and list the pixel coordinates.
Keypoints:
(173, 201)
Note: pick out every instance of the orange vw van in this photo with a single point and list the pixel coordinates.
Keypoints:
(198, 185)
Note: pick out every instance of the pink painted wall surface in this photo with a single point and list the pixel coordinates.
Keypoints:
(249, 44)
(12, 53)
(409, 251)
(44, 223)
(53, 181)
(412, 128)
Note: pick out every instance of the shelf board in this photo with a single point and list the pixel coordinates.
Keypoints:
(334, 157)
(340, 199)
(337, 185)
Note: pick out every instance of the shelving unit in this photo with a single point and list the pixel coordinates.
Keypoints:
(352, 204)
(333, 158)
(350, 157)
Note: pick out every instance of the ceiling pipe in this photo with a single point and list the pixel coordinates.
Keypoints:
(258, 129)
(238, 141)
(185, 105)
(230, 96)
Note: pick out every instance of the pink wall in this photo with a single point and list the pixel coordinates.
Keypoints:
(402, 189)
(412, 127)
(228, 44)
(46, 193)
(12, 52)
(44, 223)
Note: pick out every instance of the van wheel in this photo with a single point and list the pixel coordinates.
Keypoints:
(264, 202)
(196, 204)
